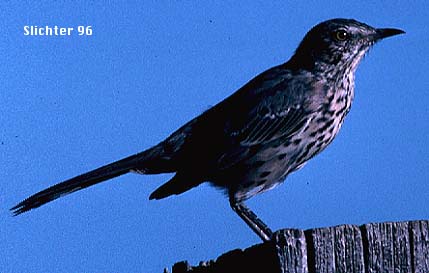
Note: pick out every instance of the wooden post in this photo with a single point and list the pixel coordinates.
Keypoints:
(370, 248)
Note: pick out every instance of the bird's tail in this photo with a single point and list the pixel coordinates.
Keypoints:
(85, 180)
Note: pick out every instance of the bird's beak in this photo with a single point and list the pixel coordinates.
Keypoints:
(382, 33)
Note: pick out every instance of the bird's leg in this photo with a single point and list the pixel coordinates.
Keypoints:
(256, 224)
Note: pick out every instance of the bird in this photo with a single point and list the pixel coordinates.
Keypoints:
(252, 140)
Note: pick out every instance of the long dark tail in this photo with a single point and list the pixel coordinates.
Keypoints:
(133, 163)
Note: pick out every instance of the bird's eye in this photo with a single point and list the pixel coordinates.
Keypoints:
(341, 35)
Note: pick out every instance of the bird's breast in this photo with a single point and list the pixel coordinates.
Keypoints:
(273, 161)
(320, 131)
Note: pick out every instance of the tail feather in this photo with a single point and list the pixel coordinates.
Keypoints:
(79, 182)
(180, 183)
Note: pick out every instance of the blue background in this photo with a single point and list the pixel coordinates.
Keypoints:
(71, 104)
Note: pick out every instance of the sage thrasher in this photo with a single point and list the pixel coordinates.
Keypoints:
(252, 140)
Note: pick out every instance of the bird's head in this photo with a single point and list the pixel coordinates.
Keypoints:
(338, 43)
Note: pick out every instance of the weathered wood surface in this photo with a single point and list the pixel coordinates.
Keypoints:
(397, 247)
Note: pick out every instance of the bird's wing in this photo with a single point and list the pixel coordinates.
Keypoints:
(271, 125)
(273, 106)
(280, 110)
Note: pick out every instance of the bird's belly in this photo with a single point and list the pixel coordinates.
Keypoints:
(270, 166)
